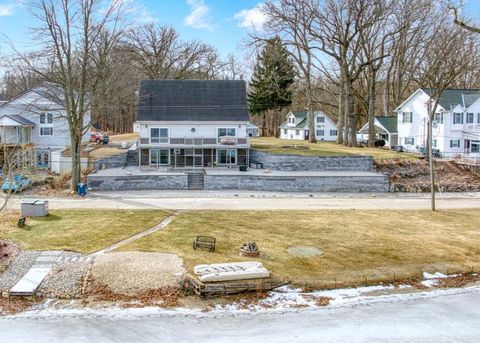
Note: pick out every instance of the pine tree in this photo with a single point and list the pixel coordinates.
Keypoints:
(271, 81)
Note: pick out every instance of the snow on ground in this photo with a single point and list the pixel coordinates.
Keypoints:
(281, 300)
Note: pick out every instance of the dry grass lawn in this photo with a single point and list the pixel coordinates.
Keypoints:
(358, 246)
(78, 230)
(105, 151)
(126, 137)
(283, 146)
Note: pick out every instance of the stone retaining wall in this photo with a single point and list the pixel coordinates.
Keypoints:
(138, 182)
(114, 161)
(350, 184)
(297, 163)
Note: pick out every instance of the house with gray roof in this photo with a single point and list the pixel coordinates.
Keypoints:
(385, 128)
(296, 127)
(192, 123)
(456, 126)
(35, 121)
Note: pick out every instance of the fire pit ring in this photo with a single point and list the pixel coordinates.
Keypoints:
(250, 249)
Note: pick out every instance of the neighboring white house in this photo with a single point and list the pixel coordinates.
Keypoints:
(456, 128)
(35, 119)
(385, 128)
(193, 123)
(253, 130)
(296, 127)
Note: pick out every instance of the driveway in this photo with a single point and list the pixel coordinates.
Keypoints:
(447, 318)
(228, 200)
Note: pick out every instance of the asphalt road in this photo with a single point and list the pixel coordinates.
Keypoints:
(257, 201)
(452, 318)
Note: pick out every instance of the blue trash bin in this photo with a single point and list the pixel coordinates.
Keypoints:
(82, 189)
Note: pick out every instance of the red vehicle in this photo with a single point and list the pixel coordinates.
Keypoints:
(99, 137)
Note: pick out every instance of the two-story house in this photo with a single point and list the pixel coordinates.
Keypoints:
(296, 127)
(456, 126)
(192, 123)
(35, 120)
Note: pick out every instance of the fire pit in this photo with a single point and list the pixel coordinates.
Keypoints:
(250, 249)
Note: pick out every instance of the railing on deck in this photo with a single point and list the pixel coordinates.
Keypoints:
(227, 140)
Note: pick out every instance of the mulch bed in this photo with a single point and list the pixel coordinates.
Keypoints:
(15, 305)
(413, 176)
(164, 297)
(8, 251)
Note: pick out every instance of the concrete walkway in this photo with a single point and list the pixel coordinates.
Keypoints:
(228, 200)
(139, 235)
(29, 283)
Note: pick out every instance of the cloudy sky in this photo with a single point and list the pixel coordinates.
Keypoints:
(222, 23)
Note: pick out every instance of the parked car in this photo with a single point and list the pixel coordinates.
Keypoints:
(99, 137)
(18, 184)
(422, 151)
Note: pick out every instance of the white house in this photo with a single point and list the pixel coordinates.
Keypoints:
(35, 120)
(456, 127)
(296, 127)
(385, 128)
(193, 123)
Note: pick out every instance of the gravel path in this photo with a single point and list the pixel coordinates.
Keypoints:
(65, 281)
(131, 273)
(16, 269)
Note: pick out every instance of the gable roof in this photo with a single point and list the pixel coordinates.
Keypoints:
(452, 97)
(19, 119)
(192, 100)
(50, 91)
(388, 122)
(302, 119)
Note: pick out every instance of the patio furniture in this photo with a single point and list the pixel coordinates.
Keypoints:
(206, 242)
(256, 165)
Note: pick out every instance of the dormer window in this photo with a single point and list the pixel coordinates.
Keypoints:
(458, 118)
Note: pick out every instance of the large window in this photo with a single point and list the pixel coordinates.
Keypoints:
(46, 131)
(458, 118)
(227, 156)
(333, 132)
(407, 117)
(320, 133)
(46, 118)
(226, 131)
(469, 119)
(438, 118)
(455, 143)
(159, 156)
(46, 124)
(159, 135)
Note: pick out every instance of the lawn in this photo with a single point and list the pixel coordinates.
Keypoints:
(283, 146)
(358, 245)
(78, 230)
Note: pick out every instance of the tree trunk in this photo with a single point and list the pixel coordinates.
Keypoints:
(76, 146)
(371, 111)
(341, 113)
(351, 124)
(429, 152)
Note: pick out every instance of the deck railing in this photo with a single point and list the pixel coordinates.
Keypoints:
(220, 141)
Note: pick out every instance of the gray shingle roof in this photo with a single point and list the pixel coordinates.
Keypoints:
(21, 120)
(389, 123)
(453, 97)
(192, 100)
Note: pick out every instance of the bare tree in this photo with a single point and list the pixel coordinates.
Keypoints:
(455, 8)
(68, 32)
(292, 21)
(449, 55)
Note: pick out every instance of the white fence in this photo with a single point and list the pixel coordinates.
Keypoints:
(473, 159)
(62, 165)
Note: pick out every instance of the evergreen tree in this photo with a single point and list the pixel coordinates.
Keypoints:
(271, 81)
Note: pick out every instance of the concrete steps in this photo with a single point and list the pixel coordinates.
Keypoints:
(196, 180)
(132, 158)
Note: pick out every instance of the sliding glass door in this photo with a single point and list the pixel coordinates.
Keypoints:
(227, 156)
(159, 157)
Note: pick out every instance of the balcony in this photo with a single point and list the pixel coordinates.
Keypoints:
(178, 142)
